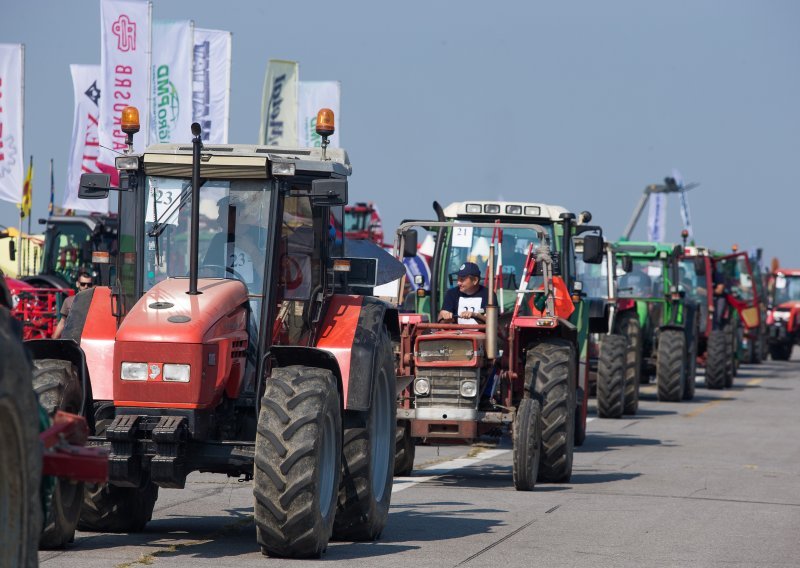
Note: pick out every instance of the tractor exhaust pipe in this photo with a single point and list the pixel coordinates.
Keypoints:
(491, 311)
(197, 145)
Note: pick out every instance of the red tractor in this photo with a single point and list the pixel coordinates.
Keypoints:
(362, 221)
(783, 317)
(517, 372)
(723, 286)
(231, 342)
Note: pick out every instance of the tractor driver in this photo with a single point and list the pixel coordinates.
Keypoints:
(468, 299)
(237, 247)
(636, 282)
(83, 283)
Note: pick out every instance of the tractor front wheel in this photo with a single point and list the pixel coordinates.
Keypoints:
(367, 457)
(632, 330)
(691, 368)
(405, 449)
(780, 351)
(298, 462)
(671, 365)
(56, 382)
(611, 377)
(550, 369)
(718, 359)
(109, 508)
(20, 452)
(527, 444)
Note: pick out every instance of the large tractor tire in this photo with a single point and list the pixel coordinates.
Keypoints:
(671, 365)
(550, 369)
(527, 444)
(611, 377)
(20, 452)
(632, 330)
(298, 462)
(57, 384)
(109, 508)
(718, 359)
(733, 367)
(691, 367)
(405, 449)
(367, 458)
(780, 351)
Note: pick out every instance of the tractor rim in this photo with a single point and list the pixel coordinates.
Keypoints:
(327, 466)
(13, 521)
(381, 436)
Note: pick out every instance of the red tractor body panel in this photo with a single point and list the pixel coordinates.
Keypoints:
(337, 333)
(97, 341)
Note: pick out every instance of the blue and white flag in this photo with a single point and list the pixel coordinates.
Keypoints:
(657, 218)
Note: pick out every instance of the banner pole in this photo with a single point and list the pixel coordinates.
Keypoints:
(22, 149)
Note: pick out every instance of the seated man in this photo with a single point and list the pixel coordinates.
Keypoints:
(466, 301)
(636, 283)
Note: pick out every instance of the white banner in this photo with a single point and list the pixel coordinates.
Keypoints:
(171, 82)
(279, 104)
(312, 96)
(211, 84)
(657, 218)
(84, 149)
(125, 79)
(12, 161)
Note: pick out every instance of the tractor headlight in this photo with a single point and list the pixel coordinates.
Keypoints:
(474, 208)
(468, 389)
(14, 301)
(780, 315)
(127, 162)
(133, 371)
(176, 373)
(422, 387)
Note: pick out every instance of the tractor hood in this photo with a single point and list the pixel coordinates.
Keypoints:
(166, 313)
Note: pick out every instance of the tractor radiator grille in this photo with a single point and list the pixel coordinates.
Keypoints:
(445, 385)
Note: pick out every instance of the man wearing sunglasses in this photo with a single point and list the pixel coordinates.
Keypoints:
(84, 282)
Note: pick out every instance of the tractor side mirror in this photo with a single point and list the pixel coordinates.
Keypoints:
(328, 192)
(627, 264)
(593, 249)
(94, 186)
(700, 266)
(12, 250)
(410, 238)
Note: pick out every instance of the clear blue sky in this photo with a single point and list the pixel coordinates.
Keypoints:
(577, 103)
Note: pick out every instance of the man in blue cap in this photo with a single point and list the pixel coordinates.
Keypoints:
(468, 299)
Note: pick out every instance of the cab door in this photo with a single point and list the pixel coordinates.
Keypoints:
(739, 279)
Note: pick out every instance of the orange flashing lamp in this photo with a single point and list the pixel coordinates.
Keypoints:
(325, 122)
(735, 248)
(130, 120)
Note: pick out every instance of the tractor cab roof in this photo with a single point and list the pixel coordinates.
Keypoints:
(788, 272)
(258, 161)
(647, 249)
(696, 251)
(509, 211)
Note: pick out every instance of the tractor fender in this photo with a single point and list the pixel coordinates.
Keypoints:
(350, 331)
(286, 355)
(67, 350)
(46, 281)
(96, 340)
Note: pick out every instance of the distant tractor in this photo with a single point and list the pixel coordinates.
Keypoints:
(783, 319)
(231, 343)
(363, 221)
(518, 371)
(649, 274)
(615, 339)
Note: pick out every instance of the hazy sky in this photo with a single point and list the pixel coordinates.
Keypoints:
(578, 103)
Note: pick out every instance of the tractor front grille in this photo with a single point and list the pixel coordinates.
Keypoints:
(445, 388)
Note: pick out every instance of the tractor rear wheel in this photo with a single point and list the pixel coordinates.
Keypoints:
(691, 368)
(56, 382)
(527, 444)
(718, 359)
(780, 351)
(298, 462)
(550, 369)
(405, 449)
(20, 452)
(367, 457)
(733, 367)
(671, 365)
(632, 330)
(611, 377)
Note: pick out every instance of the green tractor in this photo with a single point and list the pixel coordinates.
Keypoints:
(649, 274)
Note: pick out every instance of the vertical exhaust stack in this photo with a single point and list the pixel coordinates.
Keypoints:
(197, 145)
(491, 311)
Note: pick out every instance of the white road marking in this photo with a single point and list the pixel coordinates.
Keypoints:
(439, 469)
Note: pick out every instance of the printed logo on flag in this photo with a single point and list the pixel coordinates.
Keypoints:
(93, 93)
(168, 105)
(125, 30)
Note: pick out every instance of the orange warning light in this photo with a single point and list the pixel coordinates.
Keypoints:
(130, 120)
(325, 123)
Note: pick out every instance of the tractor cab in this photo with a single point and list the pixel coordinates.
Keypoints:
(783, 317)
(363, 221)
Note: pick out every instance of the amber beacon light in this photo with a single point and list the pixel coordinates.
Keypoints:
(130, 120)
(325, 123)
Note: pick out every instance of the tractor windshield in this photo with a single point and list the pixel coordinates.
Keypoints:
(644, 279)
(785, 289)
(593, 277)
(232, 230)
(471, 244)
(66, 251)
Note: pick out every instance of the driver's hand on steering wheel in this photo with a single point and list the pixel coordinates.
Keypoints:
(445, 316)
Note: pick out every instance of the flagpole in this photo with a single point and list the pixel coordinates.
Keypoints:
(22, 150)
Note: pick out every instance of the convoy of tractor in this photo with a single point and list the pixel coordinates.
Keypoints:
(232, 329)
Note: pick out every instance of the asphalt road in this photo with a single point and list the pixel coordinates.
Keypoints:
(711, 482)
